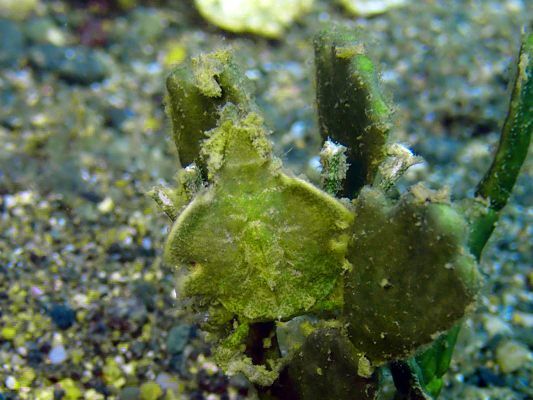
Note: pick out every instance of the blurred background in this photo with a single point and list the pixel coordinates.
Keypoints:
(87, 309)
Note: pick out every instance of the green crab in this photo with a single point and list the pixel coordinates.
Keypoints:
(256, 244)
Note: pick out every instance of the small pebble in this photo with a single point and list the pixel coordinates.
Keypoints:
(165, 381)
(496, 326)
(523, 319)
(512, 356)
(45, 30)
(177, 338)
(57, 355)
(11, 43)
(130, 393)
(107, 205)
(71, 63)
(150, 391)
(11, 382)
(63, 316)
(367, 8)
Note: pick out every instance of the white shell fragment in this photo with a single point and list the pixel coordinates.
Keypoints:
(264, 17)
(367, 8)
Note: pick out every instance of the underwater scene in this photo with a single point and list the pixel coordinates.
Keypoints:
(266, 199)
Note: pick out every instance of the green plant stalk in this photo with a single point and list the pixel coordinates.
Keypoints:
(352, 110)
(495, 188)
(497, 184)
(407, 377)
(196, 90)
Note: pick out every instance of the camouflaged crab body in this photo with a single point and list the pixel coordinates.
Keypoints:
(258, 245)
(254, 243)
(261, 243)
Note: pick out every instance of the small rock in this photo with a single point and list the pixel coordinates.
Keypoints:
(147, 25)
(44, 30)
(150, 391)
(122, 253)
(115, 117)
(523, 319)
(11, 382)
(8, 332)
(34, 358)
(106, 206)
(496, 326)
(11, 44)
(71, 63)
(63, 316)
(212, 382)
(80, 300)
(92, 394)
(367, 8)
(70, 388)
(57, 355)
(113, 374)
(126, 314)
(260, 17)
(146, 292)
(241, 383)
(485, 377)
(130, 393)
(177, 364)
(177, 338)
(17, 9)
(165, 381)
(473, 392)
(512, 356)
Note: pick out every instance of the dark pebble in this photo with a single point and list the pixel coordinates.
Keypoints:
(63, 316)
(126, 314)
(97, 332)
(146, 292)
(91, 196)
(71, 63)
(130, 393)
(484, 377)
(11, 44)
(7, 96)
(38, 260)
(177, 338)
(115, 117)
(177, 364)
(196, 395)
(37, 29)
(103, 389)
(121, 253)
(12, 123)
(93, 33)
(224, 396)
(137, 349)
(142, 371)
(240, 383)
(212, 383)
(45, 347)
(34, 358)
